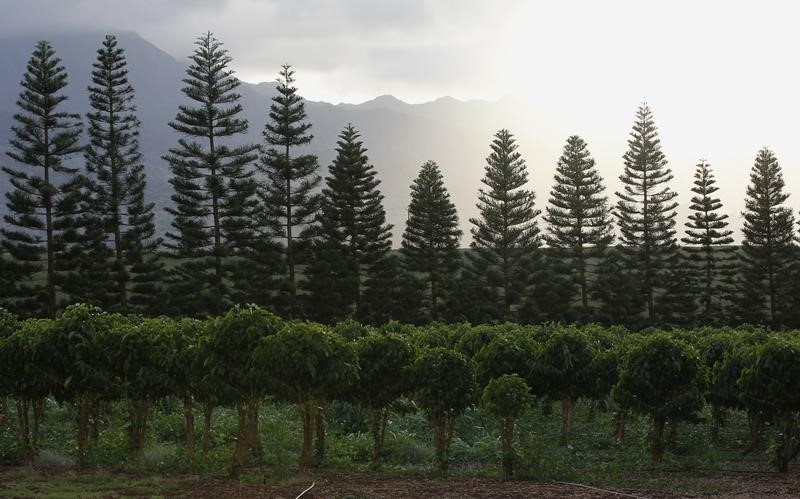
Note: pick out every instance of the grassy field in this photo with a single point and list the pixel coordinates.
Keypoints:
(692, 465)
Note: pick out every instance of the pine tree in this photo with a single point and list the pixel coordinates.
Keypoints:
(506, 236)
(44, 200)
(430, 241)
(214, 198)
(352, 219)
(617, 293)
(767, 249)
(646, 210)
(288, 200)
(711, 256)
(579, 217)
(120, 220)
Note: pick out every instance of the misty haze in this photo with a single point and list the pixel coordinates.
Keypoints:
(399, 248)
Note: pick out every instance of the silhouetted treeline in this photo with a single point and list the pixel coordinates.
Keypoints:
(257, 223)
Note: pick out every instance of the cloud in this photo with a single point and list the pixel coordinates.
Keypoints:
(395, 42)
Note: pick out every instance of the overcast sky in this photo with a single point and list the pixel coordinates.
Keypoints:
(352, 50)
(723, 77)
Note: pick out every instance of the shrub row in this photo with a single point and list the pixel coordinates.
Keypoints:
(87, 358)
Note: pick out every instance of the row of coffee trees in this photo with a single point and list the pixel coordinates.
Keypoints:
(88, 359)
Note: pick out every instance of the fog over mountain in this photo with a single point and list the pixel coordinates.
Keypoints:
(399, 136)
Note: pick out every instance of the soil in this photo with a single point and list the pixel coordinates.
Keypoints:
(328, 484)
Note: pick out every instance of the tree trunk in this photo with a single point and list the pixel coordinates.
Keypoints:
(443, 427)
(785, 452)
(38, 419)
(248, 441)
(567, 411)
(440, 441)
(307, 410)
(673, 432)
(507, 438)
(208, 411)
(319, 444)
(83, 408)
(253, 436)
(658, 438)
(188, 428)
(25, 447)
(716, 422)
(619, 418)
(754, 424)
(377, 420)
(139, 413)
(592, 411)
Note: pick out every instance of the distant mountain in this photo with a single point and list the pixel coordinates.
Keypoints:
(398, 135)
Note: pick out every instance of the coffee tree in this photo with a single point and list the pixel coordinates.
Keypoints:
(506, 398)
(85, 369)
(385, 362)
(444, 383)
(507, 353)
(138, 373)
(307, 365)
(9, 324)
(564, 367)
(229, 344)
(24, 377)
(662, 378)
(769, 386)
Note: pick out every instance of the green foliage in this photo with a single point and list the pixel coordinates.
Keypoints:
(645, 211)
(578, 217)
(507, 396)
(120, 269)
(665, 379)
(444, 387)
(289, 203)
(768, 385)
(506, 234)
(430, 240)
(767, 251)
(229, 345)
(45, 194)
(564, 364)
(711, 257)
(352, 220)
(214, 204)
(384, 362)
(508, 353)
(307, 362)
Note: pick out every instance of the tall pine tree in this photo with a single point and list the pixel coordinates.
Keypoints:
(214, 198)
(430, 241)
(711, 256)
(506, 236)
(352, 222)
(646, 213)
(289, 202)
(46, 193)
(767, 247)
(579, 217)
(119, 215)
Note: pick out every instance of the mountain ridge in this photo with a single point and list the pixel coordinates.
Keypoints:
(399, 136)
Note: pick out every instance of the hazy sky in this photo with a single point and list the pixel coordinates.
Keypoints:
(723, 77)
(351, 50)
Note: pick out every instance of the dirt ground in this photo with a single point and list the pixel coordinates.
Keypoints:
(354, 486)
(60, 482)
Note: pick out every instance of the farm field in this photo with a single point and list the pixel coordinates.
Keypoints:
(692, 466)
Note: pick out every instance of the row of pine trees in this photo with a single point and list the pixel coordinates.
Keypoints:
(255, 223)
